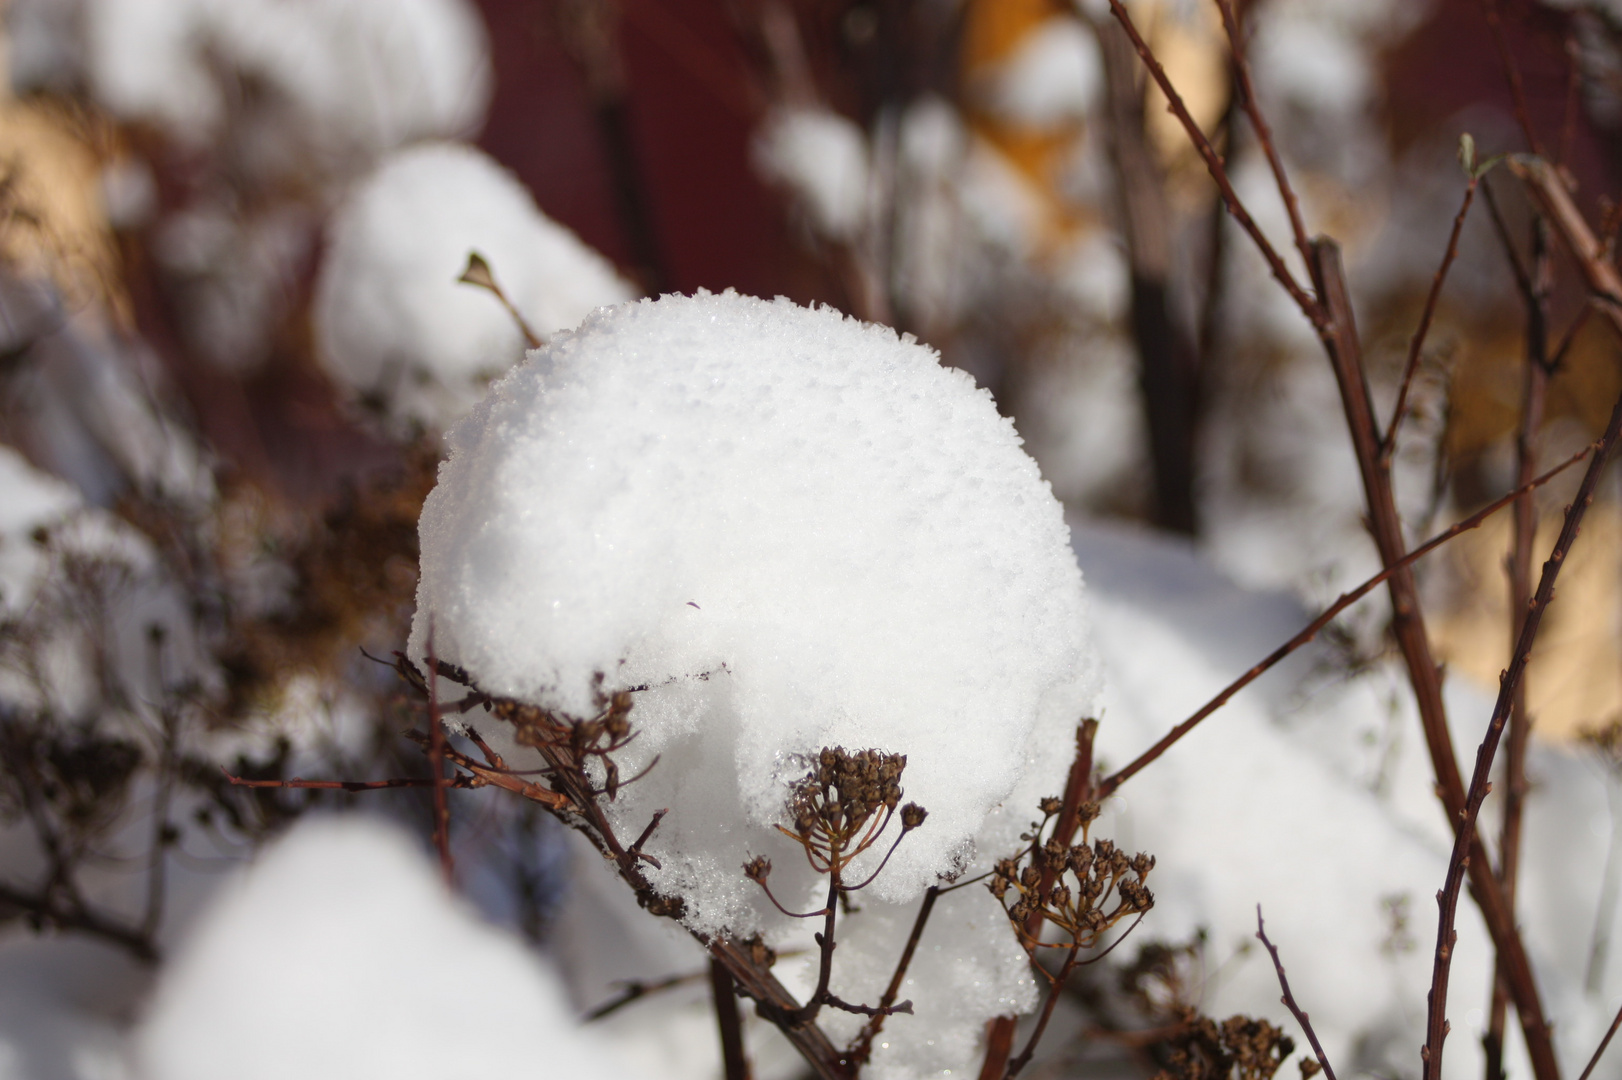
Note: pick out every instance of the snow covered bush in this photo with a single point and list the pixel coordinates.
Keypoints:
(394, 324)
(754, 533)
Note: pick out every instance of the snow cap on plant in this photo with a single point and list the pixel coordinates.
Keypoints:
(784, 530)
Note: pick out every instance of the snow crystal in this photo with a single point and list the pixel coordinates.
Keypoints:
(363, 74)
(821, 157)
(392, 321)
(797, 531)
(340, 954)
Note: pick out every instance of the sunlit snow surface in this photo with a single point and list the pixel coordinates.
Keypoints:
(339, 954)
(797, 531)
(393, 323)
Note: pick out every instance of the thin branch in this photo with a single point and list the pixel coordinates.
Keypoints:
(1078, 789)
(332, 785)
(1214, 165)
(636, 989)
(83, 920)
(862, 1047)
(1108, 786)
(1519, 569)
(1264, 132)
(1447, 900)
(1599, 1051)
(1289, 999)
(1512, 73)
(436, 770)
(1047, 1014)
(724, 993)
(1417, 344)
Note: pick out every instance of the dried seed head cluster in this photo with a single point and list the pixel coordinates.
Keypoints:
(844, 803)
(1084, 889)
(1240, 1048)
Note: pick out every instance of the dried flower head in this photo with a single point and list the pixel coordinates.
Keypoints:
(1084, 889)
(844, 803)
(1240, 1048)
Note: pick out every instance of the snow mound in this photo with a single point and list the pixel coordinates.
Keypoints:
(339, 954)
(393, 323)
(796, 531)
(364, 74)
(821, 158)
(1053, 78)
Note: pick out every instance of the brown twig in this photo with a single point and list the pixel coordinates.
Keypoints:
(1289, 999)
(1214, 165)
(1078, 789)
(1024, 1057)
(1416, 345)
(81, 918)
(862, 1048)
(1264, 132)
(1519, 568)
(1512, 73)
(636, 989)
(436, 770)
(1447, 899)
(1599, 1051)
(723, 991)
(1109, 784)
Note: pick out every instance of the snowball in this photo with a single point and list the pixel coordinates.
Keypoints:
(340, 954)
(364, 74)
(797, 531)
(1054, 77)
(821, 158)
(392, 321)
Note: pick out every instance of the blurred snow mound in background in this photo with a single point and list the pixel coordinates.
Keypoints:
(822, 159)
(392, 322)
(340, 954)
(343, 74)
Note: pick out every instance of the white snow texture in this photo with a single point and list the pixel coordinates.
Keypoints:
(340, 954)
(362, 74)
(797, 531)
(392, 321)
(821, 158)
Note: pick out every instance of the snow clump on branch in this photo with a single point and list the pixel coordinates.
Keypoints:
(795, 531)
(394, 324)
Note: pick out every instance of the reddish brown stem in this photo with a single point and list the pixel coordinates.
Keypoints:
(1463, 853)
(1512, 74)
(1214, 165)
(1109, 784)
(724, 993)
(862, 1048)
(1078, 789)
(1415, 346)
(1599, 1051)
(1047, 1014)
(1264, 132)
(1519, 567)
(1289, 999)
(436, 770)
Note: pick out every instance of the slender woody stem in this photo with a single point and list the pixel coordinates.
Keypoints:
(1447, 899)
(1289, 999)
(1599, 1051)
(1219, 173)
(1264, 132)
(1417, 344)
(1108, 785)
